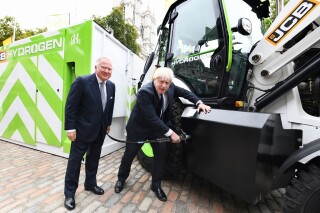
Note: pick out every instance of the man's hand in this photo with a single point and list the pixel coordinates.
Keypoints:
(204, 108)
(72, 135)
(108, 130)
(175, 138)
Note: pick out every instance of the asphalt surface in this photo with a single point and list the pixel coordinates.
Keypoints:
(33, 181)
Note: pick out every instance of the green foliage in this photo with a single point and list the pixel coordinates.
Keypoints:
(7, 25)
(7, 28)
(124, 32)
(29, 33)
(266, 22)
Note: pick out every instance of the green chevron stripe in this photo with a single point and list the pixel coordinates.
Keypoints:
(49, 94)
(46, 131)
(41, 123)
(40, 36)
(46, 90)
(56, 61)
(7, 72)
(41, 83)
(18, 90)
(17, 124)
(130, 107)
(131, 91)
(132, 104)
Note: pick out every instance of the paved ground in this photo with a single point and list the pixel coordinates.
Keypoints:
(33, 181)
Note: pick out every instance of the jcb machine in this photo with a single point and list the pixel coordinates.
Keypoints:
(264, 130)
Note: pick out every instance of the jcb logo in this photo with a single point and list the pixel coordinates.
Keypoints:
(299, 12)
(3, 56)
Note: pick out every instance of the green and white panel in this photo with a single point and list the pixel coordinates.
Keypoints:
(17, 98)
(49, 98)
(131, 97)
(31, 90)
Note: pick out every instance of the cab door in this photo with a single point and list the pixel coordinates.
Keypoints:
(199, 46)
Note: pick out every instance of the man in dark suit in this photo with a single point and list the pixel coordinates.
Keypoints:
(150, 119)
(88, 116)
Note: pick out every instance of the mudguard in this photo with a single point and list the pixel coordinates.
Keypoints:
(298, 155)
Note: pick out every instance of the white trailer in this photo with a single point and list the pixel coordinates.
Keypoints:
(35, 77)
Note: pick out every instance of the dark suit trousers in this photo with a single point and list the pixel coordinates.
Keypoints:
(132, 149)
(77, 151)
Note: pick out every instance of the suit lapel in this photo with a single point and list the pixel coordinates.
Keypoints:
(109, 94)
(170, 92)
(95, 89)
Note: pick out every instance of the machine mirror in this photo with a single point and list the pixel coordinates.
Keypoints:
(244, 26)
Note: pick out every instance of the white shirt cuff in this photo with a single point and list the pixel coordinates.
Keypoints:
(199, 102)
(71, 130)
(169, 133)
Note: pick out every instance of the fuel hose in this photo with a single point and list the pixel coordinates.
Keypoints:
(183, 137)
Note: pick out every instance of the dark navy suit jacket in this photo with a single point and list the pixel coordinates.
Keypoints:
(83, 111)
(144, 123)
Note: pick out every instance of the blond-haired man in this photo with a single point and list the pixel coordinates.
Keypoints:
(150, 119)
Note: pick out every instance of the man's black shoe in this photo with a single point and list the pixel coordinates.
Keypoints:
(96, 190)
(70, 203)
(119, 186)
(159, 193)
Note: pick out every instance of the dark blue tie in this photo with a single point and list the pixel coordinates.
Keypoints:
(161, 106)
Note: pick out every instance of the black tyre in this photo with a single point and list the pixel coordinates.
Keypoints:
(303, 193)
(174, 161)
